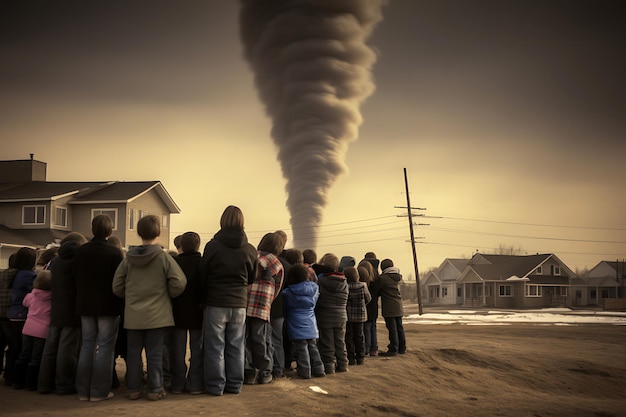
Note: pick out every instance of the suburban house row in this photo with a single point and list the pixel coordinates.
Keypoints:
(528, 281)
(38, 214)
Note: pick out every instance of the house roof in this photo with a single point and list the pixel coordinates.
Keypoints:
(35, 238)
(84, 192)
(595, 281)
(618, 267)
(41, 190)
(459, 264)
(123, 192)
(503, 267)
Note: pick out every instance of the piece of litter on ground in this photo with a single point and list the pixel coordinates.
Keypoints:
(315, 388)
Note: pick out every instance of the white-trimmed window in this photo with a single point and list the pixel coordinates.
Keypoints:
(556, 270)
(111, 212)
(539, 270)
(33, 214)
(444, 292)
(132, 218)
(60, 216)
(165, 221)
(505, 290)
(531, 290)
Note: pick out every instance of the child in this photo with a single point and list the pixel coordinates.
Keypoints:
(187, 318)
(331, 315)
(259, 362)
(146, 279)
(35, 331)
(358, 297)
(369, 327)
(60, 355)
(299, 302)
(392, 307)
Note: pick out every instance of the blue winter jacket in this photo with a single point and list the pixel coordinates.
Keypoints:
(299, 302)
(22, 285)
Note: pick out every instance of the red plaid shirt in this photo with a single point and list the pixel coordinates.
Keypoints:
(266, 285)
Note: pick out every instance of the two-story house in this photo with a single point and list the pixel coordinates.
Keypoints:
(38, 214)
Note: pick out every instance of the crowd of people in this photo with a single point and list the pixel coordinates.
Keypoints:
(243, 315)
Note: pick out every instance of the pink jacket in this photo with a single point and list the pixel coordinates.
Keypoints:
(39, 307)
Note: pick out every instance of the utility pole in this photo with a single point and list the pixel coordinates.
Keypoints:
(410, 216)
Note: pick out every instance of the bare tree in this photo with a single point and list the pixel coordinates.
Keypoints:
(503, 249)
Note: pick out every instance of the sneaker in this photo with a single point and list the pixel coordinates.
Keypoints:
(388, 353)
(322, 375)
(83, 398)
(265, 380)
(134, 395)
(342, 369)
(196, 392)
(96, 399)
(360, 361)
(374, 353)
(155, 396)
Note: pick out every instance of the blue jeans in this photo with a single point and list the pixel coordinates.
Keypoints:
(308, 358)
(58, 364)
(371, 338)
(397, 340)
(96, 360)
(152, 341)
(183, 377)
(223, 338)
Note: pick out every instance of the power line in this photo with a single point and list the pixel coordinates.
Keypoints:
(526, 237)
(530, 224)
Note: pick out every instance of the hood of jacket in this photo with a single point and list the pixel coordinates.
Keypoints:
(305, 288)
(68, 249)
(233, 238)
(346, 261)
(142, 255)
(393, 272)
(335, 281)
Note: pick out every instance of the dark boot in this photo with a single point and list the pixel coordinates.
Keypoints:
(19, 375)
(32, 375)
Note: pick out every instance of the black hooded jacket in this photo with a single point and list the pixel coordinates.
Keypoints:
(63, 288)
(228, 263)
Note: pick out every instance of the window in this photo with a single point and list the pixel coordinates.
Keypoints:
(562, 291)
(33, 214)
(532, 291)
(444, 292)
(111, 212)
(143, 213)
(131, 218)
(164, 222)
(60, 216)
(505, 291)
(459, 292)
(556, 270)
(539, 270)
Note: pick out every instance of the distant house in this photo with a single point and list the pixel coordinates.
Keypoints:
(509, 281)
(440, 284)
(38, 214)
(606, 280)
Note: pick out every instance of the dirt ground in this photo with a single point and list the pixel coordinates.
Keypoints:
(449, 370)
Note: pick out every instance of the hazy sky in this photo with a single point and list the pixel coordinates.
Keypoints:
(509, 116)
